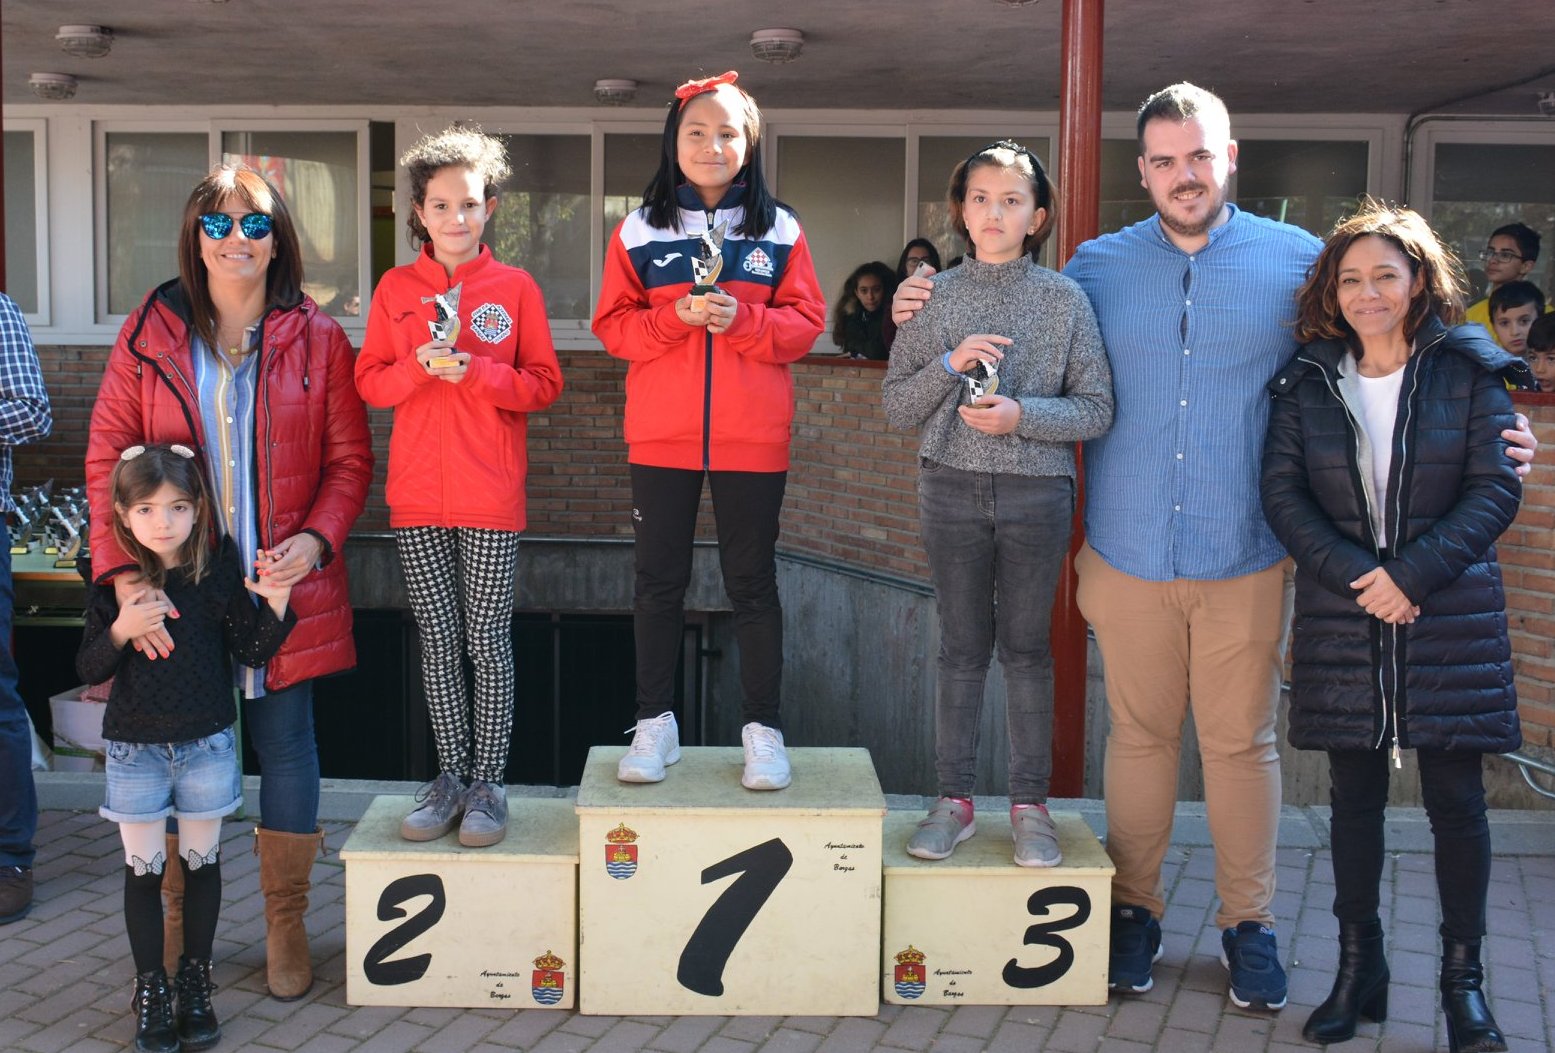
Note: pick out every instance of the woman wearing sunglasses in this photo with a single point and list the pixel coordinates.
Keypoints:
(231, 358)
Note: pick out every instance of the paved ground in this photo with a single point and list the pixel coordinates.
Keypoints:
(65, 972)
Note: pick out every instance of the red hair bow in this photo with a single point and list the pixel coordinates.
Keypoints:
(696, 87)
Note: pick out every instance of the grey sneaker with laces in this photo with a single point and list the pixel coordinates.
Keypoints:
(1036, 838)
(485, 815)
(655, 743)
(441, 804)
(948, 824)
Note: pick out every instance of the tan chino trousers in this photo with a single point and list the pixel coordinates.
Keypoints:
(1218, 646)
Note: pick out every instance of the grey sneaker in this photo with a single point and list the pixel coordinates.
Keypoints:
(485, 815)
(655, 743)
(766, 758)
(948, 824)
(442, 802)
(1036, 838)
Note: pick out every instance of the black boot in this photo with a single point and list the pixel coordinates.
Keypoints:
(1470, 1027)
(153, 1009)
(1360, 989)
(197, 1026)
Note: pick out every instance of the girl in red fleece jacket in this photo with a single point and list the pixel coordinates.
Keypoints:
(460, 346)
(708, 390)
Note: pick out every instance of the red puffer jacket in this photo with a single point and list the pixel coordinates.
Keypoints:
(314, 450)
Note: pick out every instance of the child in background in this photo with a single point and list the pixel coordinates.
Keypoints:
(1513, 307)
(708, 391)
(460, 346)
(1540, 354)
(996, 488)
(168, 722)
(861, 310)
(1509, 256)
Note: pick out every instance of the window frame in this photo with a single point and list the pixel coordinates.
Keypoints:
(39, 128)
(214, 129)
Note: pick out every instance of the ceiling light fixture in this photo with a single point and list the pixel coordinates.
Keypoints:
(777, 45)
(55, 87)
(85, 41)
(1016, 3)
(613, 92)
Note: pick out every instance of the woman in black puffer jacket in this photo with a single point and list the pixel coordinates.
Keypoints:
(1386, 477)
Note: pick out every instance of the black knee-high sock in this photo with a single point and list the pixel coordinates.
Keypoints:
(143, 917)
(202, 905)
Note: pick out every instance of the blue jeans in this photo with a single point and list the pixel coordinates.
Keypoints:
(18, 795)
(996, 544)
(198, 779)
(280, 726)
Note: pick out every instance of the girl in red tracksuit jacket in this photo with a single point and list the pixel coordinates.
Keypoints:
(460, 346)
(708, 390)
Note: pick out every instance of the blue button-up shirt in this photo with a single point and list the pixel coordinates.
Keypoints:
(1172, 490)
(24, 404)
(227, 388)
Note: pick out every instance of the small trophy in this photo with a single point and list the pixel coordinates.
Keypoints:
(982, 380)
(707, 268)
(446, 326)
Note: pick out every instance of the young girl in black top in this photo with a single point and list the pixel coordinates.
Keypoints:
(168, 723)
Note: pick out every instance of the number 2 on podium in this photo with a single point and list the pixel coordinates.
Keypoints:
(761, 868)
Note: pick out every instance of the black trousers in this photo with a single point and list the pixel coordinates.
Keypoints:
(1452, 786)
(746, 506)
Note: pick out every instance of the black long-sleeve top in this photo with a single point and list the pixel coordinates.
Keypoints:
(188, 694)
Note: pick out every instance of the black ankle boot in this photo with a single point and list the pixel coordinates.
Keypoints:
(197, 1026)
(153, 1009)
(1470, 1027)
(1360, 989)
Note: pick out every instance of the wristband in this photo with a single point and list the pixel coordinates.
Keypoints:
(945, 361)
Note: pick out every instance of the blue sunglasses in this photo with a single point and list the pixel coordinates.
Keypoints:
(254, 226)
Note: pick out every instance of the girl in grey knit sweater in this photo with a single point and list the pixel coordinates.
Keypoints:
(996, 483)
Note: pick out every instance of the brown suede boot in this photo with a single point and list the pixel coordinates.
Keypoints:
(172, 908)
(285, 861)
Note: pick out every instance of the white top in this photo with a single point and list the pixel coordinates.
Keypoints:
(1378, 411)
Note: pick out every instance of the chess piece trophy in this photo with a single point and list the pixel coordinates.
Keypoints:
(708, 266)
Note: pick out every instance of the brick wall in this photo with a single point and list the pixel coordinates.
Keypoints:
(851, 491)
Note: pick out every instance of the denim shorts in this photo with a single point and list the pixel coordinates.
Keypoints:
(199, 779)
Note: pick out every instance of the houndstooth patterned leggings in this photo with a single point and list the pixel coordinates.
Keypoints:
(460, 581)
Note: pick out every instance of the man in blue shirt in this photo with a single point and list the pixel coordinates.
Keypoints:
(1181, 579)
(24, 417)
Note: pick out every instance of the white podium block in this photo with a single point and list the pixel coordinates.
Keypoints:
(437, 924)
(976, 929)
(698, 896)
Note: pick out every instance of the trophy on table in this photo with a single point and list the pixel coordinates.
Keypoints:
(708, 266)
(446, 326)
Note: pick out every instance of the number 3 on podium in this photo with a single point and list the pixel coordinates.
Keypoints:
(761, 868)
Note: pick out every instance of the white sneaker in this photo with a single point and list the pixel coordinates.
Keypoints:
(655, 743)
(766, 761)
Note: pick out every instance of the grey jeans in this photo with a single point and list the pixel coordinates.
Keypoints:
(996, 544)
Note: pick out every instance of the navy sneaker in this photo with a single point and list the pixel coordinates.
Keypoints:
(1136, 946)
(1257, 978)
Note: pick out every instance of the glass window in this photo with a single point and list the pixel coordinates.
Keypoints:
(1310, 183)
(937, 157)
(148, 179)
(848, 192)
(1478, 187)
(21, 220)
(316, 173)
(1123, 201)
(630, 162)
(542, 222)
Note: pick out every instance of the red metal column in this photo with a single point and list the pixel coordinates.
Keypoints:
(1079, 210)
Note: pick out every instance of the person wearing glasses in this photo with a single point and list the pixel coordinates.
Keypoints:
(1509, 256)
(231, 359)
